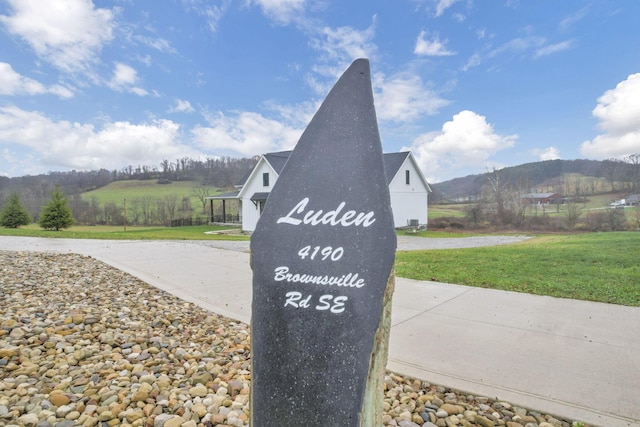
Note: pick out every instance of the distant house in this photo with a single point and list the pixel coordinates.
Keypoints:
(408, 189)
(633, 200)
(544, 198)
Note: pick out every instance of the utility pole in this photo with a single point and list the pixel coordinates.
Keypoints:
(124, 213)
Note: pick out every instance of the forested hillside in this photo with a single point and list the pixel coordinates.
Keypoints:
(547, 176)
(35, 190)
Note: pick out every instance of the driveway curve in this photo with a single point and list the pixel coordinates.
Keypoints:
(405, 243)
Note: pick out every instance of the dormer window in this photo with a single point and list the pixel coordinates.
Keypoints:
(265, 179)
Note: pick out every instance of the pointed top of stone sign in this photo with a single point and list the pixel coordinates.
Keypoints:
(341, 144)
(322, 254)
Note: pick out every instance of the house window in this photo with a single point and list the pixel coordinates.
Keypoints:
(407, 177)
(265, 179)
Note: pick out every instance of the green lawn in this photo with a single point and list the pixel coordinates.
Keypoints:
(601, 267)
(132, 233)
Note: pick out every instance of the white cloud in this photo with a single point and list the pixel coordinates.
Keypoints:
(554, 48)
(404, 98)
(432, 47)
(124, 79)
(182, 106)
(281, 11)
(345, 43)
(443, 5)
(246, 133)
(474, 61)
(13, 83)
(531, 45)
(338, 47)
(212, 13)
(84, 147)
(569, 21)
(618, 112)
(66, 33)
(549, 153)
(466, 140)
(158, 43)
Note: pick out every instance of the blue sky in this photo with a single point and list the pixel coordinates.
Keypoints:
(467, 85)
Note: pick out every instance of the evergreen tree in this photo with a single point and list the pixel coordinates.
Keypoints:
(14, 214)
(56, 214)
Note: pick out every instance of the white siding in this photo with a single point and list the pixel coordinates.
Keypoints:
(408, 201)
(251, 212)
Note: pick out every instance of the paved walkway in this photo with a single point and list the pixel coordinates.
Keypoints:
(570, 358)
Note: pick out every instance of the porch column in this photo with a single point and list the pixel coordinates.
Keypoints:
(224, 211)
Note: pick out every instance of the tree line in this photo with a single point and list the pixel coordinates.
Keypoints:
(35, 190)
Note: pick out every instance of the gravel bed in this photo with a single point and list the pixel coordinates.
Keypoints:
(82, 343)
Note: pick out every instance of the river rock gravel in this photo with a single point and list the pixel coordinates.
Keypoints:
(84, 344)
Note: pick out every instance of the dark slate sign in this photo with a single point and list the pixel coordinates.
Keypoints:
(322, 253)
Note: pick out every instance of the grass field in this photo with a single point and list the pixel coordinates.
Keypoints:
(135, 189)
(132, 233)
(596, 266)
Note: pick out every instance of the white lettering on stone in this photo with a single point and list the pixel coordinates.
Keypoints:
(349, 280)
(332, 217)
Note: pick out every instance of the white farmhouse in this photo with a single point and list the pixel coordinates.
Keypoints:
(408, 189)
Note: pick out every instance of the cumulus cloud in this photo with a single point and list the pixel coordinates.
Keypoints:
(549, 153)
(403, 98)
(124, 79)
(66, 33)
(281, 11)
(246, 133)
(467, 140)
(433, 47)
(82, 146)
(13, 83)
(618, 113)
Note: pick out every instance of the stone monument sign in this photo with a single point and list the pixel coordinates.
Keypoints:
(322, 258)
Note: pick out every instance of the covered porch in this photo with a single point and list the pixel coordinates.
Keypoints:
(225, 208)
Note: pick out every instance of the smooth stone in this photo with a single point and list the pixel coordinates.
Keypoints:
(28, 420)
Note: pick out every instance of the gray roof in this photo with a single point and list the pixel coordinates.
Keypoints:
(277, 160)
(392, 162)
(231, 195)
(540, 195)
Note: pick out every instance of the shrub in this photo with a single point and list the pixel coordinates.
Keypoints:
(606, 220)
(14, 214)
(57, 214)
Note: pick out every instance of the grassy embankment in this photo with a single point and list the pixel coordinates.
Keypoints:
(595, 267)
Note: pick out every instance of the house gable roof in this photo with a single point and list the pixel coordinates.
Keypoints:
(277, 160)
(392, 162)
